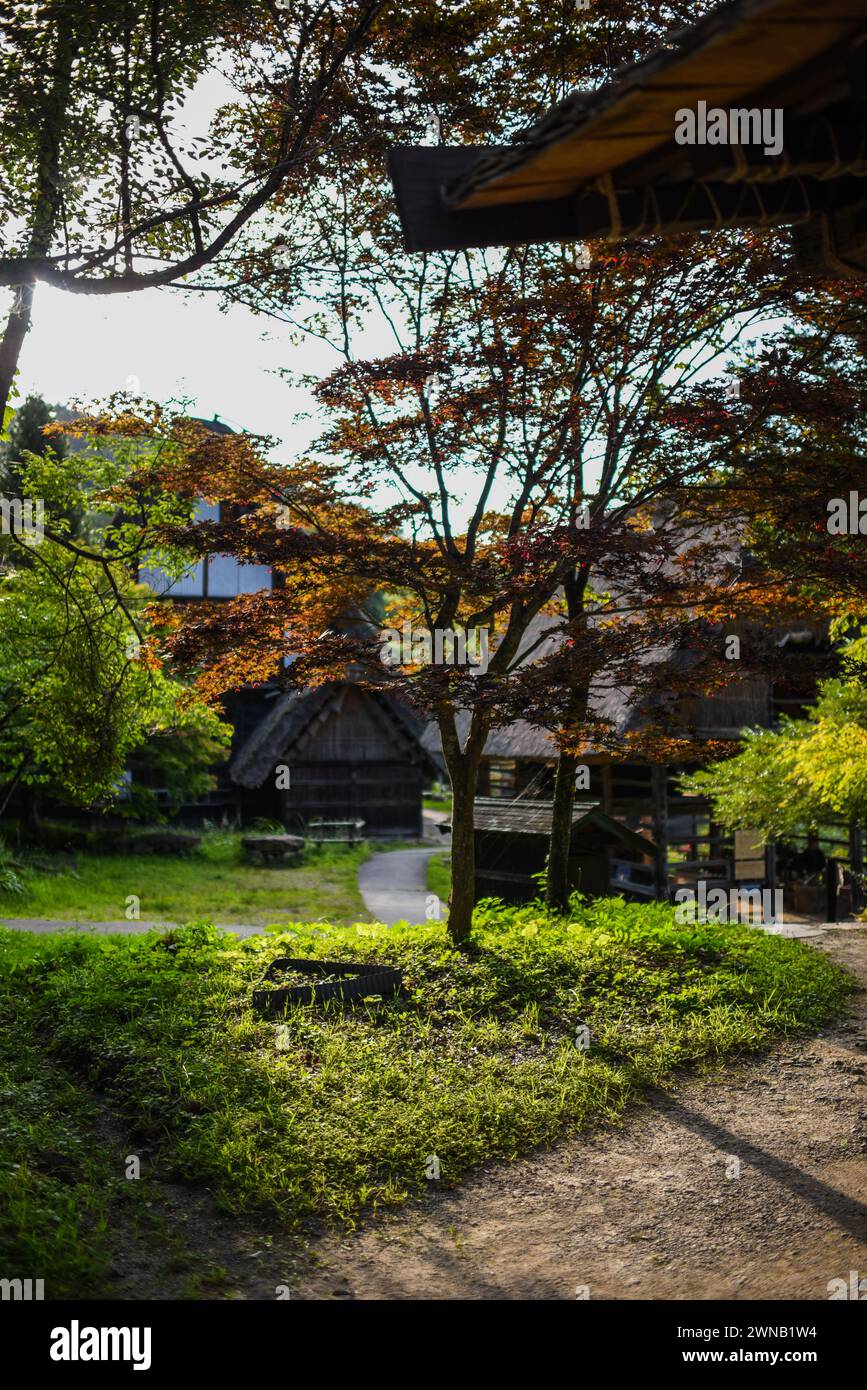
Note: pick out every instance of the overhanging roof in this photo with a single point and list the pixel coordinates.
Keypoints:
(606, 163)
(493, 815)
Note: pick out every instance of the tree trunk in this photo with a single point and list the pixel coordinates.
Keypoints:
(558, 887)
(12, 342)
(463, 766)
(45, 207)
(463, 894)
(659, 775)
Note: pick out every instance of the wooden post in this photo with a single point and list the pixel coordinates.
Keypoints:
(660, 828)
(606, 788)
(856, 865)
(832, 887)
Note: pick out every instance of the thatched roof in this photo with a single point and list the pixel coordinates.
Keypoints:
(518, 740)
(719, 716)
(295, 715)
(605, 163)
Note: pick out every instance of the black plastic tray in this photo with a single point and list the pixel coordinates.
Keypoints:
(357, 981)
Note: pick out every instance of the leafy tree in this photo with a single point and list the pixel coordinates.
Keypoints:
(792, 778)
(106, 189)
(524, 391)
(26, 432)
(26, 436)
(515, 443)
(73, 702)
(80, 684)
(527, 394)
(179, 759)
(557, 386)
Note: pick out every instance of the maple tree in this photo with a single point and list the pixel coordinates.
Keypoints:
(523, 393)
(500, 428)
(612, 336)
(499, 466)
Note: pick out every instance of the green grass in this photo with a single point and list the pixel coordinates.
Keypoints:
(331, 1111)
(439, 875)
(215, 882)
(54, 1181)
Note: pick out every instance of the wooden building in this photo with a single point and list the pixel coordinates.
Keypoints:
(607, 163)
(511, 846)
(519, 761)
(351, 755)
(346, 753)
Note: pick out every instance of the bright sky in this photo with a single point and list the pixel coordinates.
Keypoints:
(172, 345)
(166, 345)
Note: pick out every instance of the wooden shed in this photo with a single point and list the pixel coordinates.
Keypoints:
(347, 754)
(607, 163)
(511, 842)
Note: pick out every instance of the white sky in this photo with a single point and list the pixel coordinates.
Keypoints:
(177, 346)
(174, 344)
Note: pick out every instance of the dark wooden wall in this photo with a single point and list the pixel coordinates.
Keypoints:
(352, 767)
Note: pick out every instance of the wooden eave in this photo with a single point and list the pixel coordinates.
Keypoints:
(746, 48)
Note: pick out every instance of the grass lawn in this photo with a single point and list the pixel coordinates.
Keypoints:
(335, 1110)
(214, 882)
(439, 875)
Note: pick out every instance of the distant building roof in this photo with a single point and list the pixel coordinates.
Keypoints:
(296, 713)
(216, 425)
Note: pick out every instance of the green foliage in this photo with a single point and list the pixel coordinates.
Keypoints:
(803, 772)
(25, 436)
(53, 1177)
(179, 760)
(74, 701)
(332, 1110)
(77, 691)
(11, 882)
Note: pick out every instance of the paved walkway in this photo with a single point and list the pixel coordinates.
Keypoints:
(394, 886)
(431, 821)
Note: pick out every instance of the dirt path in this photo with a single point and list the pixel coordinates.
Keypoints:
(643, 1211)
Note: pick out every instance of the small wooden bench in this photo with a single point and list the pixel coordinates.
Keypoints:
(336, 832)
(273, 848)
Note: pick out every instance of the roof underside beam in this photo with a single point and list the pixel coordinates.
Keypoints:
(606, 210)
